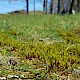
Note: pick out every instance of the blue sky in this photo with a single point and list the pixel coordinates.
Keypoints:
(5, 6)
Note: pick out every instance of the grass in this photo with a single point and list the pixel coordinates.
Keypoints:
(52, 39)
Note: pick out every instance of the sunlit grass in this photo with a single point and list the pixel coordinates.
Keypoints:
(31, 36)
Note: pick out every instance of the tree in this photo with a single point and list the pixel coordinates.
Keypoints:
(27, 6)
(65, 6)
(71, 6)
(51, 6)
(58, 6)
(45, 6)
(34, 6)
(78, 5)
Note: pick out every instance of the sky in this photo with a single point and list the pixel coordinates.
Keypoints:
(6, 6)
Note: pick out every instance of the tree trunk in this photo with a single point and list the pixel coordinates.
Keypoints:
(45, 6)
(58, 6)
(71, 6)
(55, 6)
(67, 6)
(78, 5)
(34, 6)
(51, 6)
(27, 6)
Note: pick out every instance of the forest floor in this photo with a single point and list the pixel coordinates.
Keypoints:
(39, 47)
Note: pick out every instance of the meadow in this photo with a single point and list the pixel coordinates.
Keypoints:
(49, 42)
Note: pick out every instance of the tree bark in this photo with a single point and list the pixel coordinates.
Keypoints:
(27, 6)
(34, 6)
(55, 6)
(45, 6)
(51, 6)
(71, 6)
(78, 5)
(58, 6)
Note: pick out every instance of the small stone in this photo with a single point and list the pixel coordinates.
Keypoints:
(20, 79)
(9, 76)
(15, 76)
(12, 76)
(2, 78)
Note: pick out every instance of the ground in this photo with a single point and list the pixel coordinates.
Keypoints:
(40, 47)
